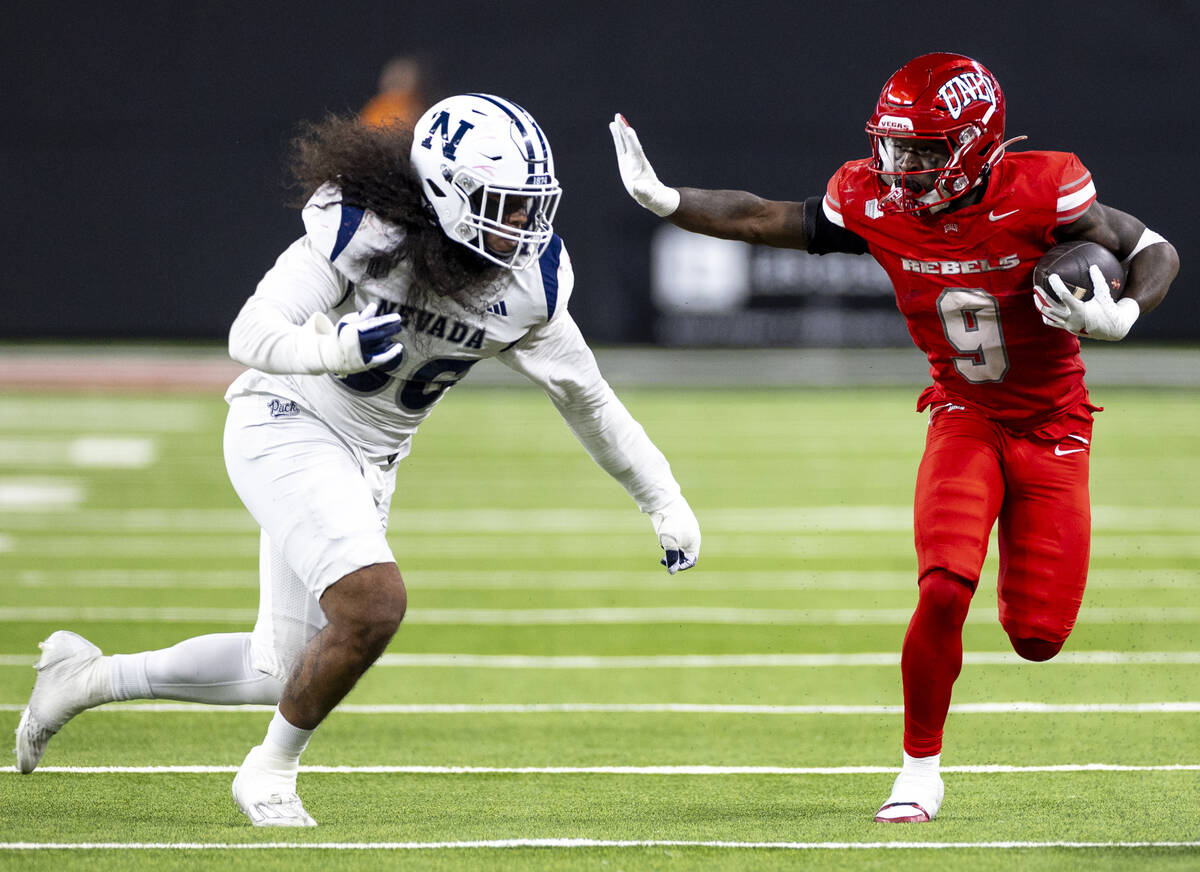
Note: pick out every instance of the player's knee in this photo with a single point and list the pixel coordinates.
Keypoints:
(1035, 649)
(386, 607)
(947, 594)
(368, 606)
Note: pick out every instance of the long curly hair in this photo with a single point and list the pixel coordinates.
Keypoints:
(371, 166)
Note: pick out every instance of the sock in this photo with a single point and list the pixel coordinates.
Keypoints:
(127, 676)
(922, 765)
(284, 741)
(931, 659)
(213, 669)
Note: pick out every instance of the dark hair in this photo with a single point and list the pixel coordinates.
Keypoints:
(371, 166)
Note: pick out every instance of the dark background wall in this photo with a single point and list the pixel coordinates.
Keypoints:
(142, 141)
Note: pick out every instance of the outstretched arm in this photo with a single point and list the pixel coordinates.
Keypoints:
(556, 357)
(725, 214)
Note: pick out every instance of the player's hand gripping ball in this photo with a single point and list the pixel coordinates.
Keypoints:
(1079, 287)
(1070, 262)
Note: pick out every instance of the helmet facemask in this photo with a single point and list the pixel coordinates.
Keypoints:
(508, 226)
(930, 187)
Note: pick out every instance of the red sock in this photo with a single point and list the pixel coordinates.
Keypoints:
(932, 658)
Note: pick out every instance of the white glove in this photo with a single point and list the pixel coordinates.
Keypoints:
(678, 533)
(360, 341)
(637, 174)
(1099, 318)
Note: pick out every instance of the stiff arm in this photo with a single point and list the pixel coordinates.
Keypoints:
(737, 215)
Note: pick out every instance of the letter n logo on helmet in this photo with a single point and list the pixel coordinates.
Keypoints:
(441, 124)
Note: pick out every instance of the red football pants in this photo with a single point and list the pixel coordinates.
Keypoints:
(973, 474)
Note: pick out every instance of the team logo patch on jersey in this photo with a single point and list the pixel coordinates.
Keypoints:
(283, 408)
(498, 308)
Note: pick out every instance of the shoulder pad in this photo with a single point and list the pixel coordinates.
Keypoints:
(349, 236)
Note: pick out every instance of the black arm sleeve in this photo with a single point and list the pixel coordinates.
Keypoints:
(824, 236)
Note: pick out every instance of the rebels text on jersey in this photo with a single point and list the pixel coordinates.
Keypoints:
(963, 281)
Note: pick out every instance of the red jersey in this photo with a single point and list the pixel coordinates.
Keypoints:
(964, 283)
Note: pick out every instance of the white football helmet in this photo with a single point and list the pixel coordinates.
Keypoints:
(486, 169)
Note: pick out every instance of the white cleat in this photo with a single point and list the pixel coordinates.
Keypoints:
(71, 678)
(266, 793)
(915, 799)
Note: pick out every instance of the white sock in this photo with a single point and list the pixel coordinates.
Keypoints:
(127, 675)
(922, 765)
(213, 669)
(284, 741)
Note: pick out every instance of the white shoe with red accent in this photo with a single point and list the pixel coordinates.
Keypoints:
(916, 798)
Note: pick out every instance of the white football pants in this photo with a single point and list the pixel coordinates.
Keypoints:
(323, 512)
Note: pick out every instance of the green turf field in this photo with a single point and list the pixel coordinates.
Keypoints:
(556, 700)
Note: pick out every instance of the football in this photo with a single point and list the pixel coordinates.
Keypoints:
(1071, 261)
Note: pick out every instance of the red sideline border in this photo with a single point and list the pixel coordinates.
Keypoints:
(109, 372)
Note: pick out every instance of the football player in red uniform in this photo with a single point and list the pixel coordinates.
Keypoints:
(959, 225)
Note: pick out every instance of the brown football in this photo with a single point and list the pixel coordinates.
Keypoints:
(1071, 261)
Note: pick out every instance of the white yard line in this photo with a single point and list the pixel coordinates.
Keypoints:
(48, 539)
(980, 708)
(35, 417)
(566, 616)
(225, 546)
(738, 661)
(505, 844)
(797, 520)
(111, 452)
(612, 770)
(735, 661)
(560, 579)
(38, 493)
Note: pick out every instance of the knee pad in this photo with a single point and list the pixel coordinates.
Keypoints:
(1037, 650)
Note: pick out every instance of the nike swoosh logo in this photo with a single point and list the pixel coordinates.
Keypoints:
(992, 216)
(1058, 449)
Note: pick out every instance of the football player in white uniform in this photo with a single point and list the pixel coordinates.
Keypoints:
(425, 251)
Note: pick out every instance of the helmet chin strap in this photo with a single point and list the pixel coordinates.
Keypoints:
(941, 206)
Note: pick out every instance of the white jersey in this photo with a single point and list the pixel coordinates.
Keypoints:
(526, 326)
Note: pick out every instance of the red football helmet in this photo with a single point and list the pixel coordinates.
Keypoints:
(947, 98)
